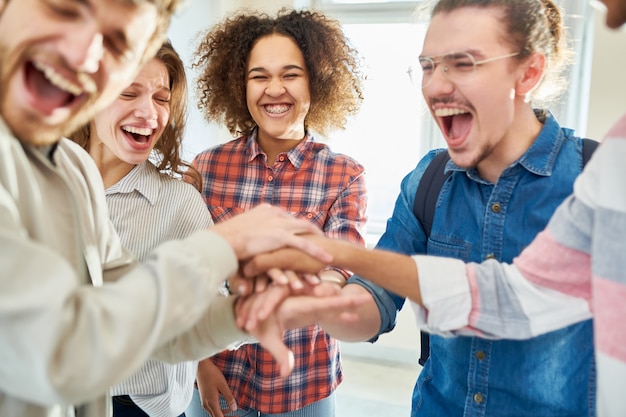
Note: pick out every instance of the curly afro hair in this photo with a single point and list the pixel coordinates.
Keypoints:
(334, 68)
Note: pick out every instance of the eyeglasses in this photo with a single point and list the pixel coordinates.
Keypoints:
(455, 65)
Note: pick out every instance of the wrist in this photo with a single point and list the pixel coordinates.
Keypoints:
(334, 276)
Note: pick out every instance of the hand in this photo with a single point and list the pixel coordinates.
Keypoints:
(266, 228)
(211, 383)
(282, 259)
(296, 311)
(263, 304)
(240, 285)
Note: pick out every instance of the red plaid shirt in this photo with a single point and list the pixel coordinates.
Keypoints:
(311, 182)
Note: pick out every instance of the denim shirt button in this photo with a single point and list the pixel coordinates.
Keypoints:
(478, 397)
(496, 207)
(490, 256)
(480, 355)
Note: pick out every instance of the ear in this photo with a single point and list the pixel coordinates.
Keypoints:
(532, 72)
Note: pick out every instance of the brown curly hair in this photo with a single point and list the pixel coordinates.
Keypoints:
(334, 67)
(168, 148)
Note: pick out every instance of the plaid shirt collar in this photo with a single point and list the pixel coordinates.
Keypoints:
(296, 155)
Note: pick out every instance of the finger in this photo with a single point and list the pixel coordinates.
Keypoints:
(278, 276)
(309, 247)
(312, 278)
(230, 402)
(241, 311)
(240, 285)
(282, 355)
(264, 305)
(261, 283)
(294, 280)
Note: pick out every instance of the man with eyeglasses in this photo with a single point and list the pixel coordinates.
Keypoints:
(573, 270)
(484, 65)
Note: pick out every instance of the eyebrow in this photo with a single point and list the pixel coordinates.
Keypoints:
(285, 68)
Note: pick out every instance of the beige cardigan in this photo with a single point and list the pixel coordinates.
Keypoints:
(77, 312)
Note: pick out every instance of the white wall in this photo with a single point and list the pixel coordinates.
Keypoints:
(607, 101)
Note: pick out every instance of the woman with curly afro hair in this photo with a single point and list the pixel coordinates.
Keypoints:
(273, 81)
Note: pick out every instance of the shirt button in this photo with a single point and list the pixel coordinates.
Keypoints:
(496, 207)
(309, 215)
(478, 397)
(270, 178)
(281, 158)
(490, 256)
(480, 355)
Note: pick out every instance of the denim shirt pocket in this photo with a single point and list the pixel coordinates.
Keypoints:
(448, 246)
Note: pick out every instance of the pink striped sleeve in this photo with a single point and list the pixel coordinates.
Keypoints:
(475, 293)
(549, 264)
(609, 319)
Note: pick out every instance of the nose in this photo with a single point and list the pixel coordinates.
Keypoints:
(84, 51)
(146, 109)
(438, 80)
(275, 88)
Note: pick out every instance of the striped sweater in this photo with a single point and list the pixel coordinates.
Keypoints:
(574, 270)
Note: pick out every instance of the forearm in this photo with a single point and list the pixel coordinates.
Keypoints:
(392, 271)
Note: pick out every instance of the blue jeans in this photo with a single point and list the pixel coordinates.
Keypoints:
(123, 406)
(321, 408)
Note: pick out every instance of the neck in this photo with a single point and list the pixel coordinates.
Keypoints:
(112, 169)
(519, 137)
(275, 146)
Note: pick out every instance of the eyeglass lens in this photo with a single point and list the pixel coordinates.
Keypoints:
(453, 65)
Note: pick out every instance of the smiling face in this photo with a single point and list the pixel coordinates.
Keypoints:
(475, 113)
(277, 88)
(125, 133)
(63, 60)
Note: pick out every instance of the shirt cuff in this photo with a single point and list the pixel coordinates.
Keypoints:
(445, 294)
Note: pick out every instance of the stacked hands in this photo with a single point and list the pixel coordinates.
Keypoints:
(278, 284)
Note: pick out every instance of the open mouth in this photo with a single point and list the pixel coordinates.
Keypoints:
(49, 89)
(140, 135)
(455, 123)
(277, 109)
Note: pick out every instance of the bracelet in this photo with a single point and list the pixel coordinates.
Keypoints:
(224, 288)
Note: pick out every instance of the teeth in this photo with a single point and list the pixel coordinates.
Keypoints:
(277, 109)
(57, 80)
(143, 131)
(449, 112)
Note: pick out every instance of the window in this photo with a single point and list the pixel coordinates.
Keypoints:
(393, 130)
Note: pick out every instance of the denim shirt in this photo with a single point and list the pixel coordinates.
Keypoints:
(550, 375)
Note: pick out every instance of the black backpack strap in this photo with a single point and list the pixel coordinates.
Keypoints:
(589, 147)
(428, 191)
(424, 209)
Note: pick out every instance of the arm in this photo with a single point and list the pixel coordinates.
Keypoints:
(547, 288)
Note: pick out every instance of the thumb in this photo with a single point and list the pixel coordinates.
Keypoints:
(229, 398)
